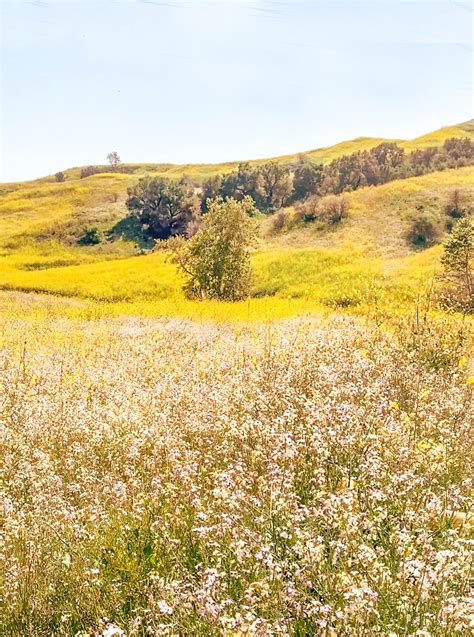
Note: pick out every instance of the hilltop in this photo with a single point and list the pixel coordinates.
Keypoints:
(318, 155)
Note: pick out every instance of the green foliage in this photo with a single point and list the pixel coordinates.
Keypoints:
(457, 261)
(307, 179)
(164, 207)
(210, 190)
(216, 261)
(60, 176)
(270, 185)
(275, 185)
(242, 183)
(90, 237)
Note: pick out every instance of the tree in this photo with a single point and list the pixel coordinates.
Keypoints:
(390, 158)
(60, 176)
(307, 179)
(275, 185)
(164, 207)
(114, 159)
(210, 190)
(216, 261)
(457, 262)
(240, 183)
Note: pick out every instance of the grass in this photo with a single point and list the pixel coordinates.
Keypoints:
(380, 215)
(310, 278)
(364, 261)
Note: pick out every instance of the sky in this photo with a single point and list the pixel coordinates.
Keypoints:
(196, 81)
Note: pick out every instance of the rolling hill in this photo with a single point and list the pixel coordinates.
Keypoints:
(304, 267)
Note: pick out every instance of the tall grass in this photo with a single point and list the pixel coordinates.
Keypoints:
(175, 478)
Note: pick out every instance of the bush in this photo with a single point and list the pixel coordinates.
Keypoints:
(457, 262)
(89, 170)
(457, 205)
(423, 231)
(332, 209)
(90, 237)
(60, 176)
(306, 211)
(279, 221)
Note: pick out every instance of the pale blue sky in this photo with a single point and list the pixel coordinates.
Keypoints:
(164, 80)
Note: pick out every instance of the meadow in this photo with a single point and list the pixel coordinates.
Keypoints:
(364, 263)
(170, 477)
(297, 463)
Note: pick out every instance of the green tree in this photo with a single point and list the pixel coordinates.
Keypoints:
(307, 179)
(457, 262)
(210, 190)
(216, 261)
(241, 183)
(165, 208)
(275, 184)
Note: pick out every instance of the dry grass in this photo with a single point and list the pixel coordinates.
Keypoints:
(380, 215)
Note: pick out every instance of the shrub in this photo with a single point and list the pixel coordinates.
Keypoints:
(457, 205)
(279, 220)
(89, 170)
(457, 262)
(423, 231)
(332, 209)
(90, 237)
(60, 176)
(306, 211)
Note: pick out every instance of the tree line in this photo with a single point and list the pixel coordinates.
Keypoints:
(167, 207)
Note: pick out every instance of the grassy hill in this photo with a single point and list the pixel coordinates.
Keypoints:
(200, 468)
(307, 268)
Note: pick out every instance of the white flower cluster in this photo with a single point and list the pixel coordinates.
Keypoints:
(171, 478)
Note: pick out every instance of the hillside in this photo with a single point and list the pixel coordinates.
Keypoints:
(45, 209)
(303, 267)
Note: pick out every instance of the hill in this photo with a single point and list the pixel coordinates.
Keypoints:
(45, 209)
(304, 267)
